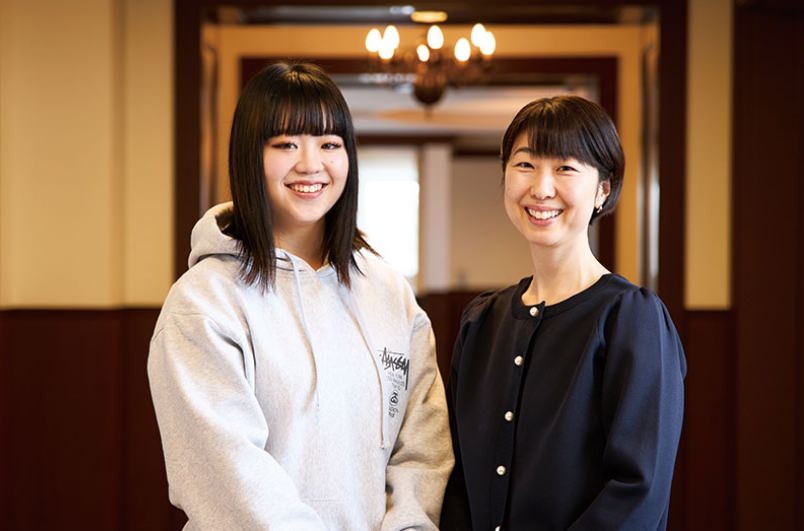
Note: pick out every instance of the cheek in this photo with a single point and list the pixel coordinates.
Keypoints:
(338, 166)
(274, 168)
(511, 198)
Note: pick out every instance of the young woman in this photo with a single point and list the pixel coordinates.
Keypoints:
(293, 374)
(566, 389)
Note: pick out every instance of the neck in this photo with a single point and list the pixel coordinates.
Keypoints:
(307, 243)
(560, 274)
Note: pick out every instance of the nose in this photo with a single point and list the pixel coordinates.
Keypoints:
(542, 186)
(309, 161)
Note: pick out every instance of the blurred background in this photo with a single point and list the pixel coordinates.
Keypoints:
(114, 121)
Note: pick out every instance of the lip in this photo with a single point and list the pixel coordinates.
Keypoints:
(542, 208)
(306, 195)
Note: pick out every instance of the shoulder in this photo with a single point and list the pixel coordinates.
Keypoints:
(374, 269)
(376, 284)
(212, 290)
(634, 305)
(492, 304)
(638, 324)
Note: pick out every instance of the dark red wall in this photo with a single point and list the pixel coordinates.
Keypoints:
(80, 448)
(768, 284)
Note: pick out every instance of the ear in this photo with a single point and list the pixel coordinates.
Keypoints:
(603, 191)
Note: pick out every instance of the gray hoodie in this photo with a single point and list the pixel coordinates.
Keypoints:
(310, 406)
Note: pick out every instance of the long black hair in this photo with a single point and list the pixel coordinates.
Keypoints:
(571, 126)
(288, 99)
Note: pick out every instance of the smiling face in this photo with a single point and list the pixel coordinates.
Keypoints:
(550, 200)
(305, 176)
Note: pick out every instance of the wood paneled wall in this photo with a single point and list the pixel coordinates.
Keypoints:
(80, 448)
(768, 285)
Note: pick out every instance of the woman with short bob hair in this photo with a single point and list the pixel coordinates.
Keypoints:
(564, 127)
(566, 391)
(293, 374)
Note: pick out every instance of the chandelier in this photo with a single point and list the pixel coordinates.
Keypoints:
(428, 67)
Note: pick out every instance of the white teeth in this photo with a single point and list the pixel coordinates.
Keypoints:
(543, 214)
(306, 188)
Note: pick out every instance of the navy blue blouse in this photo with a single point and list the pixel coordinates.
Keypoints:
(566, 416)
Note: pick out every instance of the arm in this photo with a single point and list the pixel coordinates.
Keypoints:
(455, 515)
(421, 460)
(214, 432)
(642, 407)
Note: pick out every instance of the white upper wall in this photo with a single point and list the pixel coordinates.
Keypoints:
(708, 192)
(85, 153)
(60, 165)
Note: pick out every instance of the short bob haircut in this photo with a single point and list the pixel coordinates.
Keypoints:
(288, 99)
(571, 127)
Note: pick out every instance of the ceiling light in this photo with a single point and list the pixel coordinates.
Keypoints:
(428, 17)
(427, 67)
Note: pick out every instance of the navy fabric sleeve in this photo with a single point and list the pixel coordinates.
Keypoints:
(455, 514)
(642, 403)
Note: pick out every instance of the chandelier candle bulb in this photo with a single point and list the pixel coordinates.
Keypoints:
(391, 37)
(386, 51)
(423, 52)
(462, 50)
(489, 44)
(478, 35)
(435, 38)
(373, 40)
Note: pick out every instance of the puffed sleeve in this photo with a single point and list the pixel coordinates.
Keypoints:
(214, 432)
(642, 409)
(421, 460)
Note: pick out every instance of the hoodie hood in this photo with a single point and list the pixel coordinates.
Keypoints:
(208, 238)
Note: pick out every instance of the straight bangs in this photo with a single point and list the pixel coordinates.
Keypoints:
(306, 109)
(551, 134)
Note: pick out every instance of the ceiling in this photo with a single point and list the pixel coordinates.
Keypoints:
(459, 13)
(475, 115)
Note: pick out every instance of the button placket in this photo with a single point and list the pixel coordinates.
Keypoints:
(505, 443)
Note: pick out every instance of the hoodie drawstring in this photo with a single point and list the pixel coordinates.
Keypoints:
(306, 328)
(364, 331)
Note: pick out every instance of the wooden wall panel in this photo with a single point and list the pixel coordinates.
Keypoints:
(62, 393)
(80, 448)
(707, 437)
(444, 310)
(768, 298)
(145, 490)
